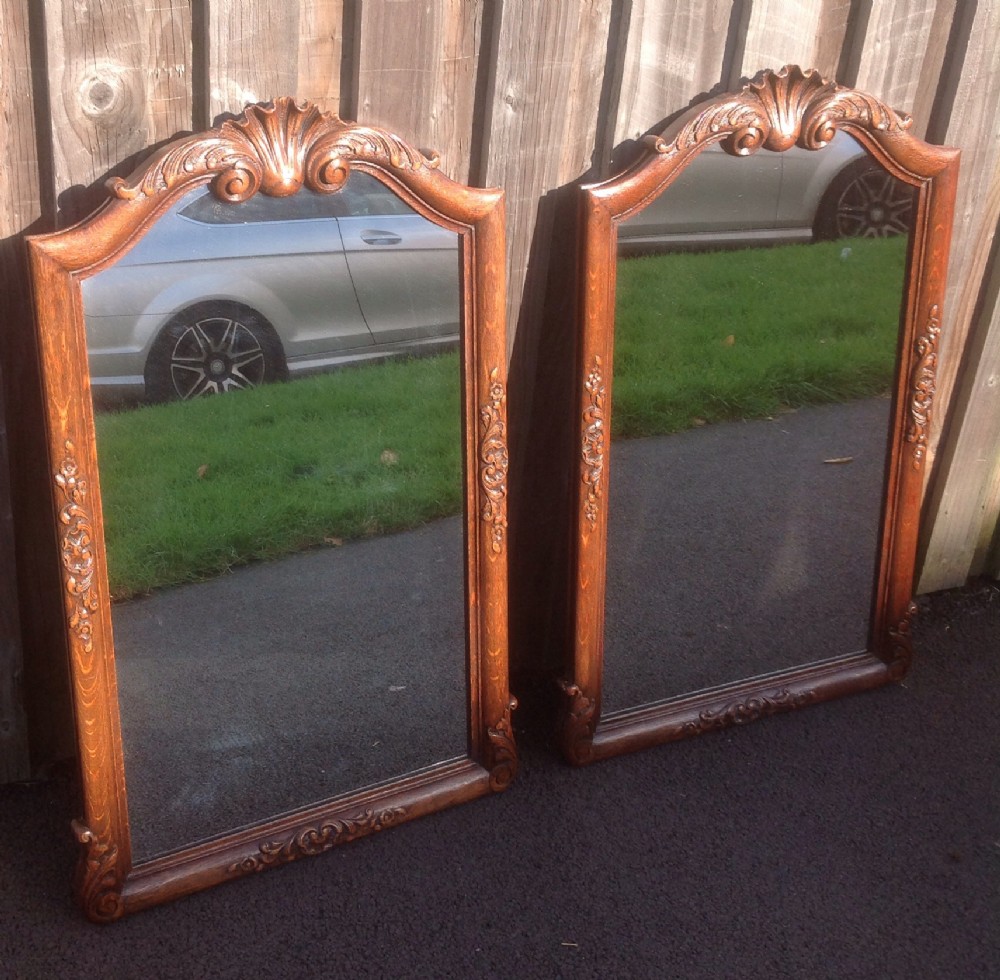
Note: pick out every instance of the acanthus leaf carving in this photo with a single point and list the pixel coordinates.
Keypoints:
(494, 462)
(594, 441)
(317, 839)
(274, 148)
(503, 763)
(99, 877)
(781, 109)
(923, 385)
(747, 710)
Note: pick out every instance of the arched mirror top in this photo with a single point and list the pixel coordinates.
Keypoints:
(274, 149)
(774, 112)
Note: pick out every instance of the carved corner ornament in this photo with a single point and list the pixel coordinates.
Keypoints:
(901, 644)
(593, 441)
(579, 721)
(494, 462)
(275, 148)
(503, 751)
(316, 840)
(99, 879)
(779, 109)
(923, 385)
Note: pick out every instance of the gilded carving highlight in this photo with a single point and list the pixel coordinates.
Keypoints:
(77, 550)
(593, 441)
(494, 462)
(923, 384)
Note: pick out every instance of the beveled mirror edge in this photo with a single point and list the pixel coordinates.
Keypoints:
(274, 148)
(776, 110)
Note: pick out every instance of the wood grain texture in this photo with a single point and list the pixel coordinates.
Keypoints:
(674, 54)
(321, 44)
(903, 54)
(253, 51)
(962, 496)
(119, 82)
(19, 208)
(417, 74)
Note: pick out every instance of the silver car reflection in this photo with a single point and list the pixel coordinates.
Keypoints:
(769, 198)
(218, 297)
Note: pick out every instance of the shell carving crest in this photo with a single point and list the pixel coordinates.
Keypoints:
(275, 148)
(782, 109)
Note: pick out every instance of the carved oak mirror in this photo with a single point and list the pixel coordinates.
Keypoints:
(274, 366)
(751, 457)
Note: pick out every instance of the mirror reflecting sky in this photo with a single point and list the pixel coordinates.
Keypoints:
(286, 557)
(751, 406)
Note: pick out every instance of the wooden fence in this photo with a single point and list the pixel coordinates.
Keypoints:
(525, 94)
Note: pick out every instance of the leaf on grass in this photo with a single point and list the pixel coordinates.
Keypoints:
(699, 422)
(729, 341)
(335, 542)
(389, 458)
(840, 459)
(203, 471)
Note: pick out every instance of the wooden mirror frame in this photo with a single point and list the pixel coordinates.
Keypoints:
(272, 149)
(775, 111)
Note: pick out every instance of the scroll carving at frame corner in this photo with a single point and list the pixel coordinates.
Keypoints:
(503, 762)
(274, 148)
(781, 109)
(901, 644)
(77, 550)
(316, 840)
(923, 384)
(593, 441)
(578, 723)
(742, 712)
(99, 878)
(494, 462)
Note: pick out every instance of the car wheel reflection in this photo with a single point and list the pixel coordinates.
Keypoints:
(212, 348)
(865, 202)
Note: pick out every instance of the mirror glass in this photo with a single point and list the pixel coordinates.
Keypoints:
(758, 306)
(278, 427)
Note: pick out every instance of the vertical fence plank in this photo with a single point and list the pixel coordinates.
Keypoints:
(120, 77)
(673, 55)
(547, 88)
(417, 74)
(962, 507)
(903, 54)
(321, 45)
(20, 208)
(253, 53)
(808, 33)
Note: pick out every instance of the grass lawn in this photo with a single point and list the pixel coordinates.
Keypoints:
(192, 489)
(712, 336)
